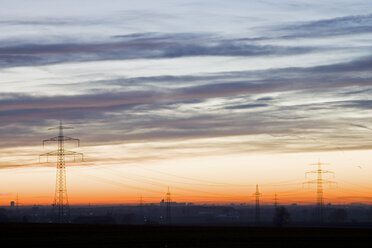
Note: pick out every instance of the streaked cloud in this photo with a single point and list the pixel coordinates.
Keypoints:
(286, 81)
(345, 25)
(138, 46)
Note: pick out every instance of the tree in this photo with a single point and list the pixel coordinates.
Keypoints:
(281, 216)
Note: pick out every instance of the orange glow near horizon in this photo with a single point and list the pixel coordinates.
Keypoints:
(218, 179)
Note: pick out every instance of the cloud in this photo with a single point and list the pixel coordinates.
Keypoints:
(38, 22)
(275, 102)
(357, 104)
(137, 46)
(288, 105)
(346, 25)
(247, 106)
(340, 26)
(157, 45)
(232, 85)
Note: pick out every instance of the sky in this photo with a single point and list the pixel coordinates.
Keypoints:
(209, 98)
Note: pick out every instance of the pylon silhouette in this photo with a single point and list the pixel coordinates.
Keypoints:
(61, 204)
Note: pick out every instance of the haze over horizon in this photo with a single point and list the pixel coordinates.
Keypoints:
(207, 97)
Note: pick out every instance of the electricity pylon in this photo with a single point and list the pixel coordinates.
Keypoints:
(276, 201)
(168, 208)
(257, 194)
(319, 181)
(61, 205)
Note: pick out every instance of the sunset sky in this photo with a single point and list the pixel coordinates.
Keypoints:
(207, 97)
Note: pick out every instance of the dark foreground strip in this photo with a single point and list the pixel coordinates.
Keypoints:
(74, 235)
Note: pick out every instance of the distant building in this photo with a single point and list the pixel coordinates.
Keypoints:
(162, 203)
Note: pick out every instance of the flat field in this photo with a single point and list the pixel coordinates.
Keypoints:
(74, 235)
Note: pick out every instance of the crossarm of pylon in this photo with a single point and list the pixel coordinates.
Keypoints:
(71, 153)
(60, 127)
(51, 139)
(315, 181)
(319, 163)
(66, 153)
(310, 172)
(66, 138)
(327, 171)
(53, 153)
(63, 138)
(311, 182)
(329, 182)
(323, 181)
(317, 171)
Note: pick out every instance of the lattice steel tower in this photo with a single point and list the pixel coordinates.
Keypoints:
(61, 205)
(257, 216)
(319, 181)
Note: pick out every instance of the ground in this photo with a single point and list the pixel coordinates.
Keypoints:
(73, 235)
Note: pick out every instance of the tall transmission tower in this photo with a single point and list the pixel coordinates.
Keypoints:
(257, 194)
(61, 205)
(320, 181)
(168, 207)
(276, 201)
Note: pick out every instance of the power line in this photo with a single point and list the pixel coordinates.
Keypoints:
(123, 185)
(163, 184)
(223, 184)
